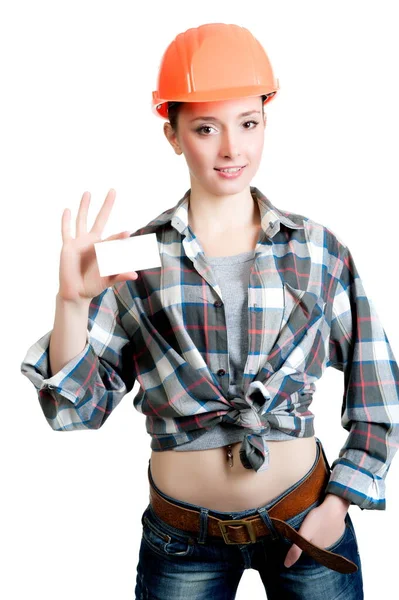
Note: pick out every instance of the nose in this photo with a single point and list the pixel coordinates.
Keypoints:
(229, 145)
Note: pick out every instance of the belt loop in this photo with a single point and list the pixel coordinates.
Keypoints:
(203, 525)
(266, 518)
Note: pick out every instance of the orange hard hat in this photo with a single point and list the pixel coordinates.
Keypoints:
(215, 61)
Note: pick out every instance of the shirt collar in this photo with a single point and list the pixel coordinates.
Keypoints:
(271, 217)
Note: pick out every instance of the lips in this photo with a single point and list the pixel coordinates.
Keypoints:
(224, 168)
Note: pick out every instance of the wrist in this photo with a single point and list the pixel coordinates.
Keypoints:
(77, 303)
(337, 503)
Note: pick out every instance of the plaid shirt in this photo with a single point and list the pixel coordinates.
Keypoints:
(307, 310)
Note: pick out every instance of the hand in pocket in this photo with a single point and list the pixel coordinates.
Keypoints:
(321, 527)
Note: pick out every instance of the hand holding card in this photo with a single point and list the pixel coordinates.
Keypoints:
(79, 276)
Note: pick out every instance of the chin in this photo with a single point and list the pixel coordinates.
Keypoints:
(218, 186)
(238, 184)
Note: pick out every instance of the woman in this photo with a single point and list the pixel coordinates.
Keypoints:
(237, 477)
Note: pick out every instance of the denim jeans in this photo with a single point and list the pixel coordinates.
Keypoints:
(174, 565)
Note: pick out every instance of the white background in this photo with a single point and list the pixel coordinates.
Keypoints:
(76, 80)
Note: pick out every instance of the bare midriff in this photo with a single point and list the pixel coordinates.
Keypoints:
(204, 477)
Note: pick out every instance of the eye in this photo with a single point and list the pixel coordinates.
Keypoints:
(200, 129)
(256, 123)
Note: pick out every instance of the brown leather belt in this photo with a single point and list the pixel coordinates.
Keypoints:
(249, 529)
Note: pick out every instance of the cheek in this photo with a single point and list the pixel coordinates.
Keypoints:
(256, 149)
(196, 154)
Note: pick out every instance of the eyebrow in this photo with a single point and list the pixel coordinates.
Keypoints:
(244, 114)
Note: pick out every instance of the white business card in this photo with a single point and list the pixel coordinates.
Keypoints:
(130, 254)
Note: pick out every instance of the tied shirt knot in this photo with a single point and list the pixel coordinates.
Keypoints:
(250, 413)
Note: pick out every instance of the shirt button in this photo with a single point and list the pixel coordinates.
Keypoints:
(221, 372)
(271, 223)
(217, 303)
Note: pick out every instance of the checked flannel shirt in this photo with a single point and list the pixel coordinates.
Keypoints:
(307, 310)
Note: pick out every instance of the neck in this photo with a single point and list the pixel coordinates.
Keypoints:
(218, 214)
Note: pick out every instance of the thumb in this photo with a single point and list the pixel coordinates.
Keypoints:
(123, 277)
(117, 236)
(111, 280)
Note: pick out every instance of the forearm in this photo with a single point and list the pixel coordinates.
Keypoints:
(68, 337)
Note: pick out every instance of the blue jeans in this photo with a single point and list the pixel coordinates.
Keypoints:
(174, 565)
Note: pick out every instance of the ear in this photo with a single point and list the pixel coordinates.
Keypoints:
(171, 137)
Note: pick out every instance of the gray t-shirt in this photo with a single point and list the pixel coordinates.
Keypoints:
(232, 275)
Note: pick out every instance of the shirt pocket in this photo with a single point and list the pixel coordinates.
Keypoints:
(301, 311)
(303, 317)
(300, 307)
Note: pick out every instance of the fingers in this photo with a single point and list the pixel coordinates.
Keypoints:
(81, 219)
(104, 213)
(66, 225)
(292, 555)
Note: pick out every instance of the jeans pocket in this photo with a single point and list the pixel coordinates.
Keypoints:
(346, 536)
(298, 519)
(163, 538)
(345, 545)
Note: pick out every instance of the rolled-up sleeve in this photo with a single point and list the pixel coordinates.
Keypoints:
(359, 347)
(88, 388)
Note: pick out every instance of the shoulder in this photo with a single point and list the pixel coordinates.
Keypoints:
(324, 244)
(319, 233)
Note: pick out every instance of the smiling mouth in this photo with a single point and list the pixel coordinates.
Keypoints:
(230, 169)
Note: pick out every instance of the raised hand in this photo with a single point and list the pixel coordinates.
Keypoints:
(79, 277)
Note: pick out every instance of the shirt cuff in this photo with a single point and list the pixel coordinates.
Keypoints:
(71, 381)
(356, 484)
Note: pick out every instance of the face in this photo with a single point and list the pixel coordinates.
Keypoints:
(224, 138)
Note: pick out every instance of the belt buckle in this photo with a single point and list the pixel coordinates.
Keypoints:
(248, 524)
